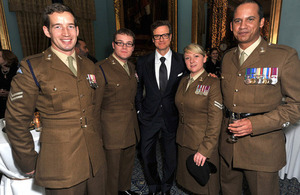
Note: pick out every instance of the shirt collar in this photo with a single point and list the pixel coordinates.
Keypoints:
(167, 56)
(120, 62)
(251, 48)
(197, 75)
(63, 57)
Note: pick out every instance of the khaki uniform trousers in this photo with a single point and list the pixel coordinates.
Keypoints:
(260, 183)
(120, 164)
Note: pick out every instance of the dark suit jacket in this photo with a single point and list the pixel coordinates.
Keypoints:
(118, 116)
(264, 149)
(149, 103)
(70, 144)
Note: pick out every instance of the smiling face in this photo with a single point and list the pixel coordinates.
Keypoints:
(246, 24)
(62, 31)
(123, 52)
(214, 54)
(194, 62)
(162, 44)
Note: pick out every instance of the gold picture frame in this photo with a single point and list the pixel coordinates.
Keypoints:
(275, 12)
(120, 15)
(5, 43)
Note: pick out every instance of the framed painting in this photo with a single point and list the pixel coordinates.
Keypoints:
(272, 12)
(5, 43)
(138, 15)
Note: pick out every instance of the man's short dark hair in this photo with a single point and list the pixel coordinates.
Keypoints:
(159, 23)
(78, 43)
(260, 8)
(56, 7)
(124, 31)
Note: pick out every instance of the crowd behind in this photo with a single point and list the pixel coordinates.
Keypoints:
(219, 119)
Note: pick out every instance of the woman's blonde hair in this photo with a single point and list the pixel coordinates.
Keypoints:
(193, 47)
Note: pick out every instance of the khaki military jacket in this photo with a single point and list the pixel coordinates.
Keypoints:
(200, 114)
(70, 144)
(118, 115)
(264, 149)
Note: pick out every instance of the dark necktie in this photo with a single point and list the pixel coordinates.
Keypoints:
(163, 78)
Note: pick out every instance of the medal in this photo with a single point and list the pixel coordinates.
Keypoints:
(197, 90)
(92, 80)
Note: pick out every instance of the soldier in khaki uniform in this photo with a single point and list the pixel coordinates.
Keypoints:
(118, 115)
(68, 96)
(253, 86)
(199, 103)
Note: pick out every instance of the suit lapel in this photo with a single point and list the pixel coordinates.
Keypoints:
(151, 70)
(174, 71)
(235, 59)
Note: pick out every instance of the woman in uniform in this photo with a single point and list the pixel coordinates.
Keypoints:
(199, 103)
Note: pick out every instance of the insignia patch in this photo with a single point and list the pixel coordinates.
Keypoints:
(19, 71)
(218, 105)
(15, 96)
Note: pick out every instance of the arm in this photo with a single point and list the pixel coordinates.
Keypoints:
(210, 140)
(20, 108)
(140, 85)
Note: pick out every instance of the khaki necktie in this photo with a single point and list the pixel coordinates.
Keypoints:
(71, 66)
(125, 66)
(191, 80)
(242, 58)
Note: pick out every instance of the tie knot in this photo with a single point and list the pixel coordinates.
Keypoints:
(162, 59)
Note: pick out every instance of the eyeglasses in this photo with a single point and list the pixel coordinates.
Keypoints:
(164, 36)
(121, 44)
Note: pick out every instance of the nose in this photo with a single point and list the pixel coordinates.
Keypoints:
(243, 24)
(191, 60)
(65, 32)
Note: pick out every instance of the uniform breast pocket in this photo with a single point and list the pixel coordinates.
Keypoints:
(110, 91)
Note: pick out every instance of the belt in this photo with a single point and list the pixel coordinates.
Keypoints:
(229, 113)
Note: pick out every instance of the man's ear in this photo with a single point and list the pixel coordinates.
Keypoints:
(46, 31)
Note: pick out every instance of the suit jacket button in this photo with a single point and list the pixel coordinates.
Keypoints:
(236, 90)
(239, 74)
(234, 105)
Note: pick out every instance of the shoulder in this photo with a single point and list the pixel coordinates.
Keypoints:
(33, 59)
(280, 49)
(146, 58)
(102, 62)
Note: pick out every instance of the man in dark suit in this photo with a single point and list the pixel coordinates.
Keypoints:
(64, 88)
(159, 74)
(256, 76)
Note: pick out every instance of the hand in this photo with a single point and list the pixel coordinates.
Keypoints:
(241, 127)
(30, 174)
(199, 159)
(212, 75)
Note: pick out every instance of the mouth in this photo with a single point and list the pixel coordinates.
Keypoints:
(66, 40)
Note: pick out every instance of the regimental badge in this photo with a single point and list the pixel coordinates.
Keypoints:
(202, 90)
(261, 76)
(92, 80)
(19, 71)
